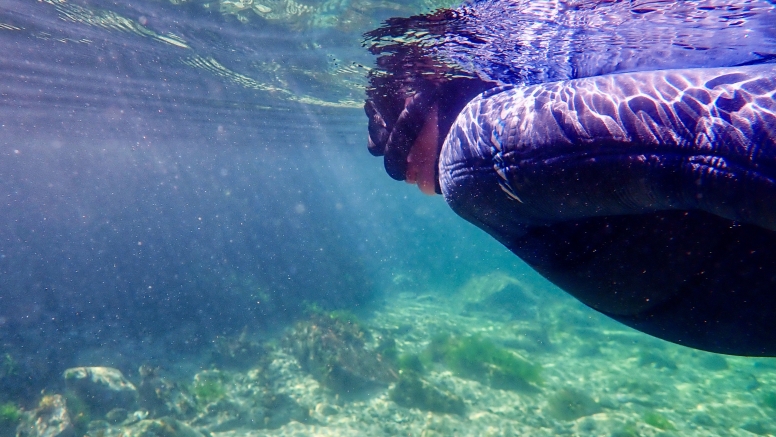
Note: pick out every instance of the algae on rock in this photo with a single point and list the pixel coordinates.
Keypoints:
(410, 362)
(101, 388)
(209, 386)
(653, 418)
(333, 348)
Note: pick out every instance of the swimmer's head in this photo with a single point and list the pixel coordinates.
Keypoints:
(409, 131)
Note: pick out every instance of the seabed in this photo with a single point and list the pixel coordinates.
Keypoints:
(595, 377)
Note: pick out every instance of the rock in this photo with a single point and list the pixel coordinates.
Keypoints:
(163, 397)
(101, 388)
(325, 409)
(117, 415)
(333, 348)
(411, 391)
(50, 419)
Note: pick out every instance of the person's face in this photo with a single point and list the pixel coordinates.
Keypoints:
(421, 161)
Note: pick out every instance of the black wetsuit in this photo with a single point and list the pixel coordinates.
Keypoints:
(649, 196)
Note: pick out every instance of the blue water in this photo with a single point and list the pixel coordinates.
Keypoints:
(177, 172)
(151, 198)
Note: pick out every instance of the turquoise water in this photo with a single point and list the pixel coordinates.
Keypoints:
(189, 202)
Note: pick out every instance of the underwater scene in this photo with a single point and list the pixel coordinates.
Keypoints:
(197, 240)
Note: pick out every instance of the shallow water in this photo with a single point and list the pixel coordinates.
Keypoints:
(187, 198)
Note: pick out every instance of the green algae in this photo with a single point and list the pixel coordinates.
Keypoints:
(411, 363)
(209, 391)
(9, 366)
(479, 359)
(627, 430)
(436, 349)
(9, 415)
(653, 418)
(208, 387)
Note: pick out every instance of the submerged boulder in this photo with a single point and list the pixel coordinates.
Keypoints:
(101, 388)
(50, 419)
(334, 349)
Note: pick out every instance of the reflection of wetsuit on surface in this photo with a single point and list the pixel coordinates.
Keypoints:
(648, 196)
